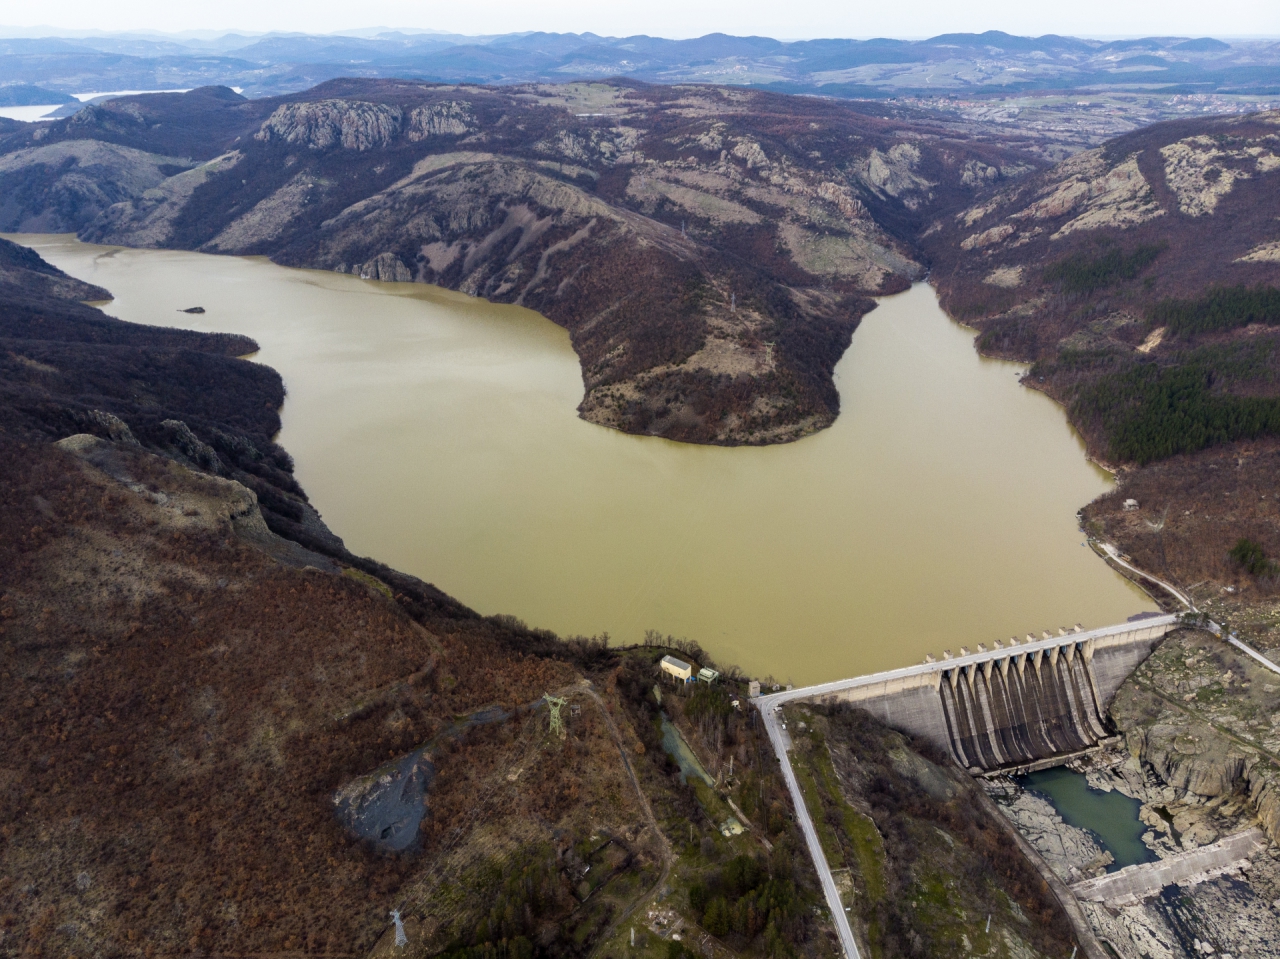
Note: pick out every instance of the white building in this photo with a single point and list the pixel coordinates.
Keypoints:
(677, 669)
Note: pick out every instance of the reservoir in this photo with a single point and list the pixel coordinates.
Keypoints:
(439, 434)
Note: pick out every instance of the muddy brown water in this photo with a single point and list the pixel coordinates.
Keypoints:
(438, 433)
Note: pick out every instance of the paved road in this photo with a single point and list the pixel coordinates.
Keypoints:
(1185, 599)
(769, 705)
(781, 741)
(1114, 555)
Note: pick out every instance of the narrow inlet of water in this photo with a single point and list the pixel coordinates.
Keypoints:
(1111, 816)
(439, 434)
(673, 745)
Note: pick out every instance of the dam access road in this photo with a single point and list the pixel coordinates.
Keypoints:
(1066, 648)
(781, 744)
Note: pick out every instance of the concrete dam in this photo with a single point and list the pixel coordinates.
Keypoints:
(1015, 705)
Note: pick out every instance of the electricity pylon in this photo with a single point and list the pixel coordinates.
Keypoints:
(557, 724)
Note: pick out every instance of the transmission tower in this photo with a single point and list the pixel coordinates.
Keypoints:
(557, 724)
(768, 353)
(401, 938)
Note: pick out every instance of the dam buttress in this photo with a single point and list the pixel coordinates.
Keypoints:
(1012, 706)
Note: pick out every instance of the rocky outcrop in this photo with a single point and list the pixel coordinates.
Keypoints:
(325, 124)
(996, 234)
(1206, 913)
(450, 118)
(1101, 245)
(385, 266)
(1071, 852)
(1158, 185)
(709, 269)
(1192, 757)
(893, 173)
(190, 447)
(115, 428)
(1205, 718)
(1262, 253)
(977, 173)
(1200, 759)
(1097, 194)
(1200, 171)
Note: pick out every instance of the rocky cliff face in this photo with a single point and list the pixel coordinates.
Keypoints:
(1159, 174)
(448, 118)
(325, 124)
(1206, 717)
(710, 252)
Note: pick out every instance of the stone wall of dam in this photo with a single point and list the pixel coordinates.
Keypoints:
(1018, 704)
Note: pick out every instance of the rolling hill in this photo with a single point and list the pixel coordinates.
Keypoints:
(709, 250)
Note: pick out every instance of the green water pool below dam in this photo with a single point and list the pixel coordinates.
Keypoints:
(1112, 817)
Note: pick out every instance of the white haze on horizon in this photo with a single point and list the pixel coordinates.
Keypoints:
(912, 19)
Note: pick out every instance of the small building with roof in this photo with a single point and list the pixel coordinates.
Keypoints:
(677, 669)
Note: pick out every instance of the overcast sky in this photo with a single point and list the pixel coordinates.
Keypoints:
(792, 19)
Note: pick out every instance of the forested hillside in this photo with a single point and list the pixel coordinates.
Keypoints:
(1142, 281)
(710, 250)
(207, 696)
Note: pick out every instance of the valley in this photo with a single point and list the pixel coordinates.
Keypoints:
(709, 251)
(438, 435)
(202, 667)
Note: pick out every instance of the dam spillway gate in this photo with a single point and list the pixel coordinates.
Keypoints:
(1019, 709)
(1012, 706)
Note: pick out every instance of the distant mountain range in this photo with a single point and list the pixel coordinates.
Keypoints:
(961, 63)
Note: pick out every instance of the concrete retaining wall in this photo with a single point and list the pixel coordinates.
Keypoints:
(914, 708)
(1133, 883)
(1115, 662)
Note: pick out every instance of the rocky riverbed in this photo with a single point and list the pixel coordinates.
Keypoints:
(1196, 720)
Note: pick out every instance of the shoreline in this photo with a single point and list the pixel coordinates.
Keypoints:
(694, 479)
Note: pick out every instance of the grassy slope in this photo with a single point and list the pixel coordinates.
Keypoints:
(921, 863)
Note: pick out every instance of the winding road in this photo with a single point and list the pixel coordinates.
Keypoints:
(1113, 554)
(770, 704)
